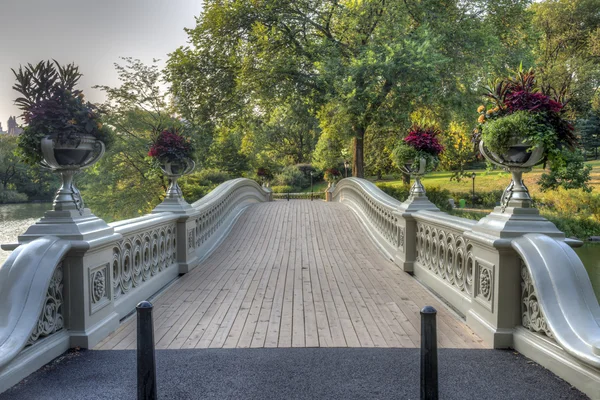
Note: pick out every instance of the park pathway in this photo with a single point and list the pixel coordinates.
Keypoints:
(295, 274)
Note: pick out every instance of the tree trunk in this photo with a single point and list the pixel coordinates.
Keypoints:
(358, 154)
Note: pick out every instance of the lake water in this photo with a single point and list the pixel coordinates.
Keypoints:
(16, 218)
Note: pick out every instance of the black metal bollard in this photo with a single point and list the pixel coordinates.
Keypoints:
(429, 361)
(146, 365)
(288, 196)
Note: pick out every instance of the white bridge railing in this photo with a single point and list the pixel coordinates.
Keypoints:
(378, 211)
(527, 291)
(57, 293)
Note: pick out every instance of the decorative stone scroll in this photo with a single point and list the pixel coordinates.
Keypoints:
(140, 256)
(448, 255)
(51, 317)
(532, 315)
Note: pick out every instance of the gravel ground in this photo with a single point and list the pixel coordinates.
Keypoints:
(312, 373)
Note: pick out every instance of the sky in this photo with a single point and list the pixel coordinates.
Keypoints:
(91, 33)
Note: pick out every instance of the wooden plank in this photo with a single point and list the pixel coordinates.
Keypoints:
(295, 274)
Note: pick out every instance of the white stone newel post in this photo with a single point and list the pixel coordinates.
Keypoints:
(496, 308)
(407, 226)
(87, 279)
(329, 191)
(175, 203)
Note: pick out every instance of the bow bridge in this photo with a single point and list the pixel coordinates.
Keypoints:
(240, 269)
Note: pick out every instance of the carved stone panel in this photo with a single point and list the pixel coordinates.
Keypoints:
(99, 287)
(401, 238)
(532, 315)
(51, 318)
(191, 236)
(484, 283)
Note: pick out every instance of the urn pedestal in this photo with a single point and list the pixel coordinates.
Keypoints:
(174, 201)
(417, 198)
(69, 219)
(516, 215)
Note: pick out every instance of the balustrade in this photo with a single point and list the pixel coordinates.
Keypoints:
(525, 291)
(86, 282)
(376, 209)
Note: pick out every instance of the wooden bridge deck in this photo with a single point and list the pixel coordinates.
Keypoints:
(295, 274)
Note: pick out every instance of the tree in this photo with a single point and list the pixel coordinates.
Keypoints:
(373, 61)
(10, 167)
(589, 133)
(567, 51)
(137, 110)
(458, 149)
(573, 174)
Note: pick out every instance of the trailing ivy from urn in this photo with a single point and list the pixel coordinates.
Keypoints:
(53, 107)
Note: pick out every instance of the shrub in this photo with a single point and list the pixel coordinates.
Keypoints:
(580, 228)
(573, 174)
(284, 189)
(437, 196)
(292, 176)
(11, 196)
(200, 183)
(482, 199)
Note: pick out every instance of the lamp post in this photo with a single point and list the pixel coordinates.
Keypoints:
(473, 175)
(311, 185)
(346, 167)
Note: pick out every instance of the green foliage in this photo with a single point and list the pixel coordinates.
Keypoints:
(588, 128)
(567, 48)
(292, 176)
(10, 169)
(573, 174)
(403, 154)
(138, 110)
(458, 150)
(437, 196)
(11, 196)
(226, 155)
(355, 69)
(501, 133)
(284, 189)
(328, 152)
(199, 183)
(580, 228)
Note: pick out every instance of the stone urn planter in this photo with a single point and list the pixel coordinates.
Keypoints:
(68, 159)
(175, 170)
(416, 171)
(519, 158)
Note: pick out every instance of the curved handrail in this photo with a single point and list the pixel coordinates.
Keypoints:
(564, 293)
(24, 281)
(229, 186)
(369, 188)
(375, 208)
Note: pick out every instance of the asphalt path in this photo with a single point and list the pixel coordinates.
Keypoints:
(308, 373)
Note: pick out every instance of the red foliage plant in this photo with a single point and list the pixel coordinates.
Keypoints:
(523, 100)
(171, 146)
(425, 140)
